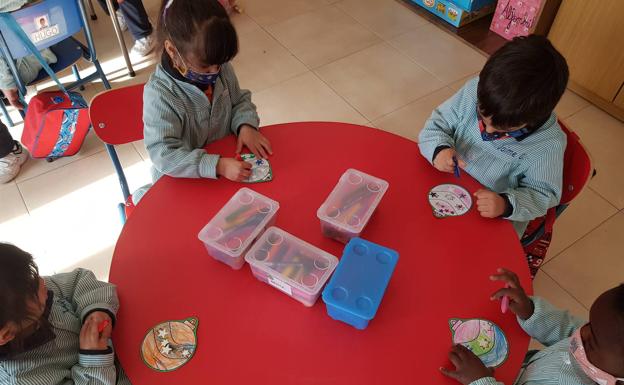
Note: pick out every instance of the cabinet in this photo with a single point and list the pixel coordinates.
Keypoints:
(590, 34)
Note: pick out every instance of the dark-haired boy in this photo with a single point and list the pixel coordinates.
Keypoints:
(577, 352)
(500, 128)
(54, 330)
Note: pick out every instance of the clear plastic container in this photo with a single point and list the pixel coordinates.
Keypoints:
(291, 265)
(347, 209)
(244, 217)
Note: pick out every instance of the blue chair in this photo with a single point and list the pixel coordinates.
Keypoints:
(62, 20)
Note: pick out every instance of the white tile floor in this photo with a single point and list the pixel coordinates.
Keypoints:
(370, 62)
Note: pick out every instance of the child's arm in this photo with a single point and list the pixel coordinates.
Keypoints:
(538, 318)
(243, 110)
(444, 120)
(85, 293)
(541, 186)
(87, 296)
(163, 132)
(549, 325)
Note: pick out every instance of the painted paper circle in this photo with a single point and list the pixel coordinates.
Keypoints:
(484, 338)
(170, 344)
(449, 200)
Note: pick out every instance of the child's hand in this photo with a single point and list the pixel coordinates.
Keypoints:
(519, 303)
(468, 367)
(444, 160)
(257, 143)
(490, 204)
(90, 337)
(232, 169)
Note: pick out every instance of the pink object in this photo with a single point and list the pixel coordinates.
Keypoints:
(505, 302)
(102, 325)
(515, 17)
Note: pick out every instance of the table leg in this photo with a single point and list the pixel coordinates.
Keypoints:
(120, 38)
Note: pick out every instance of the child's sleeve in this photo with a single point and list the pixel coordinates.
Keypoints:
(549, 325)
(243, 110)
(163, 129)
(86, 293)
(95, 369)
(540, 188)
(439, 129)
(486, 381)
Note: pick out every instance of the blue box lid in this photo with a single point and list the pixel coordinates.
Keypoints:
(361, 278)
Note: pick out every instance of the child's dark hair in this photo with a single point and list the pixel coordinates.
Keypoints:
(522, 82)
(19, 284)
(200, 28)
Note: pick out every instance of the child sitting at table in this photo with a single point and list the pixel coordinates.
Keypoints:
(193, 98)
(49, 326)
(500, 128)
(576, 353)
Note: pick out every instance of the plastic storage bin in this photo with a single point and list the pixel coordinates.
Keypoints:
(355, 290)
(347, 209)
(229, 234)
(291, 265)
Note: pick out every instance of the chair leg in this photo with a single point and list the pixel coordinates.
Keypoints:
(77, 76)
(6, 114)
(100, 71)
(122, 213)
(91, 10)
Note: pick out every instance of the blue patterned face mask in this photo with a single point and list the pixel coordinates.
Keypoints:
(201, 78)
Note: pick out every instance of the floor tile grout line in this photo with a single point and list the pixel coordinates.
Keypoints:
(23, 200)
(581, 238)
(565, 290)
(602, 196)
(412, 102)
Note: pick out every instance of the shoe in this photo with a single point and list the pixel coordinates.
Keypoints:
(10, 165)
(143, 47)
(121, 19)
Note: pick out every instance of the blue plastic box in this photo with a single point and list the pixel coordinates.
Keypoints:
(354, 292)
(472, 5)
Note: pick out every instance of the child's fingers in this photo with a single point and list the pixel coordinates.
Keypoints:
(107, 332)
(239, 145)
(508, 277)
(461, 163)
(262, 151)
(267, 145)
(511, 293)
(246, 165)
(449, 373)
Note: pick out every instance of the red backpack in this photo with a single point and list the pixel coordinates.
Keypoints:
(56, 124)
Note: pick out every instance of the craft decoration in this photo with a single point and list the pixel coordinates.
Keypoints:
(449, 200)
(484, 338)
(170, 344)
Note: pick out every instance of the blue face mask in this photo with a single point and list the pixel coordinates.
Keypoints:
(202, 78)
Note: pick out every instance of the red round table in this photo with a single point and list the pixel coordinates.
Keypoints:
(251, 333)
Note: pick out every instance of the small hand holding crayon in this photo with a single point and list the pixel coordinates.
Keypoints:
(96, 331)
(233, 169)
(517, 300)
(447, 160)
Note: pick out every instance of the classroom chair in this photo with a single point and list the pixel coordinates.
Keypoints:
(117, 118)
(577, 172)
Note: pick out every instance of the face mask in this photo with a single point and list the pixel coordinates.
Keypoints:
(201, 78)
(578, 351)
(489, 136)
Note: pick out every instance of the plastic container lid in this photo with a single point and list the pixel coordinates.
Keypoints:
(353, 201)
(292, 260)
(361, 278)
(239, 222)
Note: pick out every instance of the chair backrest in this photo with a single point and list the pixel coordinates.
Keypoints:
(577, 166)
(46, 23)
(117, 115)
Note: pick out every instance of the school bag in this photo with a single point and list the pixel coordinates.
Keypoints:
(56, 122)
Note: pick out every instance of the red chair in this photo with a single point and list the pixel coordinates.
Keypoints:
(117, 118)
(577, 172)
